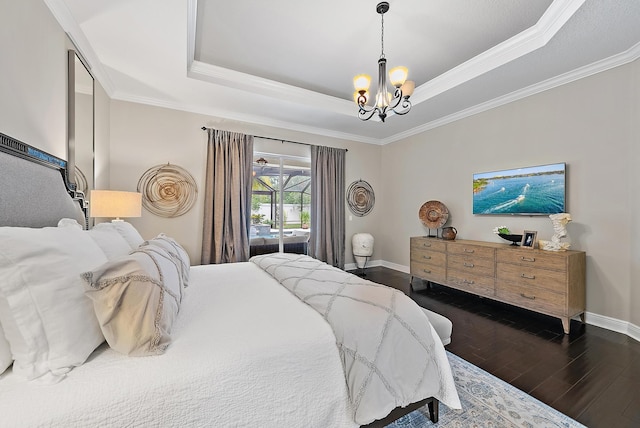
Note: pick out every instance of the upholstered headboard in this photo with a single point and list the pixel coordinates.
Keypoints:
(33, 187)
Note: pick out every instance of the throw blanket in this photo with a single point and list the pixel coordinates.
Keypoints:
(391, 354)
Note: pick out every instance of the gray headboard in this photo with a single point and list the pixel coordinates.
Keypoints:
(34, 191)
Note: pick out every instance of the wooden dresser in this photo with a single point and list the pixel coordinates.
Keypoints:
(549, 282)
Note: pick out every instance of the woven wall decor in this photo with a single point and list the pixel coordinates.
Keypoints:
(360, 198)
(167, 190)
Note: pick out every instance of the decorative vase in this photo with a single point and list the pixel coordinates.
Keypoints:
(513, 238)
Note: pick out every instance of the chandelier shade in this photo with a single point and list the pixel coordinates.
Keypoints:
(398, 101)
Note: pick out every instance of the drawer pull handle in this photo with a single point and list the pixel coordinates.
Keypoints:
(469, 265)
(468, 251)
(464, 281)
(528, 297)
(528, 259)
(426, 257)
(426, 244)
(426, 270)
(527, 276)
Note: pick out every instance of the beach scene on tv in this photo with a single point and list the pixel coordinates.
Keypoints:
(531, 190)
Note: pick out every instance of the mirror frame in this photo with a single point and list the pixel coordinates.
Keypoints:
(72, 120)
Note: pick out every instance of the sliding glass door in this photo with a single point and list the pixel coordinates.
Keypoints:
(280, 204)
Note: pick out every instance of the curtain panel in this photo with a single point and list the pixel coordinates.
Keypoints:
(227, 204)
(326, 242)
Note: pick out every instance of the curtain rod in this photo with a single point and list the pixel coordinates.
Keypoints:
(204, 128)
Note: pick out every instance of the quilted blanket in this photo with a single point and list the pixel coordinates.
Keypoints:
(391, 355)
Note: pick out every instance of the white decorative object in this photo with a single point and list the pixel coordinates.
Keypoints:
(560, 231)
(362, 246)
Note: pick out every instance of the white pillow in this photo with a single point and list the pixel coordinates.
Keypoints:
(175, 251)
(47, 320)
(110, 241)
(126, 230)
(5, 352)
(136, 299)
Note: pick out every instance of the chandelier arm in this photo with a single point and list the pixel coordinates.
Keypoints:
(366, 114)
(405, 107)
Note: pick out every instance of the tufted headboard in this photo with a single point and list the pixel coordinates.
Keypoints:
(34, 191)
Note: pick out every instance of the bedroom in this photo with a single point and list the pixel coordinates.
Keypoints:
(588, 123)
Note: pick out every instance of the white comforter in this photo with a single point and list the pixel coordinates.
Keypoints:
(391, 354)
(245, 352)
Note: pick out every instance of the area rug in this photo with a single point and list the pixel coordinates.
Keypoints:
(487, 402)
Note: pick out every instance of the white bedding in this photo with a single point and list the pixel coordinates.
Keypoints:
(245, 352)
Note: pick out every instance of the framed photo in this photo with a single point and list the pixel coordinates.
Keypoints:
(529, 239)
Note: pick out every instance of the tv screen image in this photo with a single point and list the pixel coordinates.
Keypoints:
(536, 190)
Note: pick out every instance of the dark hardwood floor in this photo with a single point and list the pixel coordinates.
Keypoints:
(591, 375)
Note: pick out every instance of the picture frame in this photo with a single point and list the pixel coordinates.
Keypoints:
(529, 239)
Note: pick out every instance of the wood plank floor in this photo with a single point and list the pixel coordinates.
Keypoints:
(591, 375)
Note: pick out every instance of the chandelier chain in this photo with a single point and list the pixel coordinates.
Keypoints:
(382, 37)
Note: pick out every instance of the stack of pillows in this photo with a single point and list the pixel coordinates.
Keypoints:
(64, 290)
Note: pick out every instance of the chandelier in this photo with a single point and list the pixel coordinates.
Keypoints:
(398, 102)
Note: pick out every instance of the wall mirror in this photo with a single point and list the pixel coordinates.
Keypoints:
(80, 127)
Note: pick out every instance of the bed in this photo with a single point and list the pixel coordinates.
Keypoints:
(237, 345)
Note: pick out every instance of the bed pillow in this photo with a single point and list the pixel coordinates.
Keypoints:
(108, 237)
(5, 352)
(136, 300)
(47, 319)
(176, 252)
(126, 230)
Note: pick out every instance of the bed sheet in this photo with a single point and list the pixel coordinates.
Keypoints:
(245, 352)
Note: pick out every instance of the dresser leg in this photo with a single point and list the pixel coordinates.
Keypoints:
(565, 324)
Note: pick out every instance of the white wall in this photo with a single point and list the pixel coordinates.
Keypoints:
(33, 86)
(588, 124)
(144, 136)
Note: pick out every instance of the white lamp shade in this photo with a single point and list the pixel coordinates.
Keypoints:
(398, 75)
(362, 82)
(407, 88)
(114, 203)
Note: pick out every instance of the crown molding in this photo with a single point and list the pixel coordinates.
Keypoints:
(554, 18)
(614, 61)
(64, 17)
(239, 117)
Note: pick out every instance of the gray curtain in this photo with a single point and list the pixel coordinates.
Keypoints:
(227, 200)
(326, 242)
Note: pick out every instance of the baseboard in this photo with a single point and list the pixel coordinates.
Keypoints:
(613, 324)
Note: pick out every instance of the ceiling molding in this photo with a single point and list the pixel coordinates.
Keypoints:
(239, 117)
(259, 85)
(64, 17)
(535, 37)
(192, 17)
(626, 57)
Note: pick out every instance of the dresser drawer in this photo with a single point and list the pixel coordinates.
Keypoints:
(532, 259)
(537, 299)
(470, 250)
(429, 257)
(472, 265)
(532, 277)
(429, 272)
(476, 284)
(428, 244)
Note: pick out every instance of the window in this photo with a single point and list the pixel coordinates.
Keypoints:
(280, 202)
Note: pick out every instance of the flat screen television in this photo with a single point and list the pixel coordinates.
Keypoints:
(534, 190)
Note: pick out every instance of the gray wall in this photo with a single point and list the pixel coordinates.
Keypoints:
(144, 136)
(589, 124)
